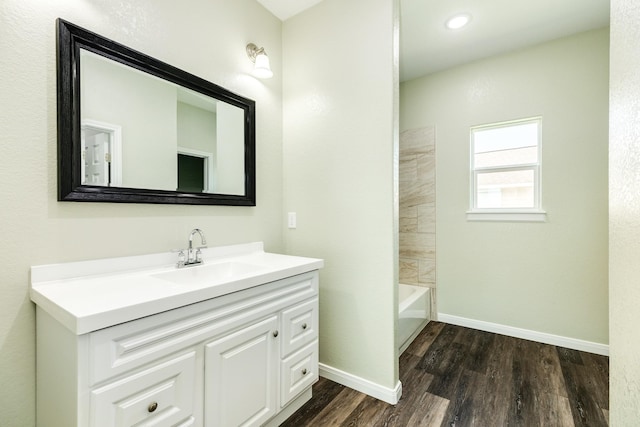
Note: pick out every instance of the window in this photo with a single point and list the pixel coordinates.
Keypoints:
(505, 171)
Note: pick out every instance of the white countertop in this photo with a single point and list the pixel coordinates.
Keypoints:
(90, 295)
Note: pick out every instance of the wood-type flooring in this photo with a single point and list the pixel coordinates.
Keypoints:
(454, 376)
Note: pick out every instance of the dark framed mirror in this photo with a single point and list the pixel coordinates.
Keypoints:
(133, 129)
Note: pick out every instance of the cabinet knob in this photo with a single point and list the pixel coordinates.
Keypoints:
(304, 371)
(152, 407)
(304, 326)
(275, 334)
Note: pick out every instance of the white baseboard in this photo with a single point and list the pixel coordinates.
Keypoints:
(572, 343)
(386, 394)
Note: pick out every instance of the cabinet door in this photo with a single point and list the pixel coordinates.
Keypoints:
(241, 376)
(161, 395)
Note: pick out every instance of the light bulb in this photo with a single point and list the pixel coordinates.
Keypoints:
(458, 21)
(262, 68)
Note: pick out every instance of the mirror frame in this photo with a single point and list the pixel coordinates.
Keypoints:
(71, 39)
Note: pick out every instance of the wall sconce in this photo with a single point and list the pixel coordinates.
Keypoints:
(259, 57)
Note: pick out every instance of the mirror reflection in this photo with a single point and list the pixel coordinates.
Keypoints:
(140, 131)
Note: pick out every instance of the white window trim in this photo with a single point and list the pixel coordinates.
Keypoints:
(503, 216)
(535, 214)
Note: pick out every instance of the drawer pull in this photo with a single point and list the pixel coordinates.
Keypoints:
(304, 371)
(304, 326)
(275, 334)
(153, 407)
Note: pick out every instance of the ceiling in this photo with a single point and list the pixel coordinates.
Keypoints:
(497, 26)
(285, 9)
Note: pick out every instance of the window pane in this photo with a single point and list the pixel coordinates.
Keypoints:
(513, 189)
(514, 144)
(516, 156)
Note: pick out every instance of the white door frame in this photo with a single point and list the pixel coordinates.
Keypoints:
(115, 132)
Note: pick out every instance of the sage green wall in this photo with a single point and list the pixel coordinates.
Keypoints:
(230, 150)
(196, 128)
(546, 277)
(339, 135)
(206, 38)
(624, 214)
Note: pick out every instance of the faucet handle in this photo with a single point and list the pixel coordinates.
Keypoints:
(199, 253)
(181, 257)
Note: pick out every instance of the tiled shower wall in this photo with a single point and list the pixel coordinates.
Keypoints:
(417, 181)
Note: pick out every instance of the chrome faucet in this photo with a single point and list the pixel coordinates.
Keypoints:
(192, 258)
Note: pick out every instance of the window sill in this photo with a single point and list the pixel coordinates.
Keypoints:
(507, 216)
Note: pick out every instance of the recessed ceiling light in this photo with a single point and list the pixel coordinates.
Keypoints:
(458, 21)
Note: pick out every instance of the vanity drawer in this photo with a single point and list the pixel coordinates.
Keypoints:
(162, 395)
(298, 371)
(299, 326)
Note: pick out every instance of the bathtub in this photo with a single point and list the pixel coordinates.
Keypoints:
(413, 313)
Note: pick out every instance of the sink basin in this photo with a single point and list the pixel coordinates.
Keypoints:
(210, 273)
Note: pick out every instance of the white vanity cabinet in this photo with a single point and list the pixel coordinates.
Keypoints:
(247, 358)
